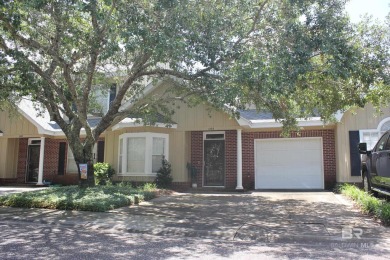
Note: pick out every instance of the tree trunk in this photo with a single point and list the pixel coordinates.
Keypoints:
(86, 159)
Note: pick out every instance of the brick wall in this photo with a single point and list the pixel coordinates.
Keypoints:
(50, 169)
(22, 160)
(197, 154)
(248, 165)
(181, 186)
(231, 159)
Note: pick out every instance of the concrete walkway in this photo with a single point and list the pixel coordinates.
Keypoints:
(4, 190)
(293, 217)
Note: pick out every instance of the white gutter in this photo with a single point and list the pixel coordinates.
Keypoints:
(271, 123)
(39, 127)
(134, 122)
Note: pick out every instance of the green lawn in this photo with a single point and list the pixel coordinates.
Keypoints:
(368, 203)
(99, 198)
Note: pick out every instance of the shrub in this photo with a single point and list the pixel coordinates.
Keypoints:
(164, 177)
(149, 187)
(384, 213)
(368, 203)
(99, 198)
(103, 173)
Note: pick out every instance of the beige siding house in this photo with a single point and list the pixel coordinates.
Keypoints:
(225, 152)
(368, 126)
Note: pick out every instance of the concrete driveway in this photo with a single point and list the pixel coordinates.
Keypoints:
(261, 216)
(320, 218)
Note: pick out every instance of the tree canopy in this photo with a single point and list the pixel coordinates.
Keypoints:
(291, 57)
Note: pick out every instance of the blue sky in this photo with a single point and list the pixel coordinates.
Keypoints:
(377, 8)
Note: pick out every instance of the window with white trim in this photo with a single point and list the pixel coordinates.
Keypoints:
(371, 136)
(140, 154)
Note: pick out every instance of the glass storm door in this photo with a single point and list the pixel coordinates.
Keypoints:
(33, 163)
(214, 157)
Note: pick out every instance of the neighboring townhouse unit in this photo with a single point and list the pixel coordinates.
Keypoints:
(226, 152)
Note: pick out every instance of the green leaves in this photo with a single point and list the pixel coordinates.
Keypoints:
(307, 59)
(293, 58)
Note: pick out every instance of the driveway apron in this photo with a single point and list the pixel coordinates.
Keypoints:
(262, 216)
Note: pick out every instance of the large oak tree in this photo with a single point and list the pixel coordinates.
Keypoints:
(293, 58)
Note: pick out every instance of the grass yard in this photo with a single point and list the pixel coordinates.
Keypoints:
(369, 204)
(99, 198)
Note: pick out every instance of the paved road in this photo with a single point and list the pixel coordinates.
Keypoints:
(21, 240)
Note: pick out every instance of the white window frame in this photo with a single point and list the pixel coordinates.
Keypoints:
(30, 141)
(378, 131)
(214, 133)
(148, 152)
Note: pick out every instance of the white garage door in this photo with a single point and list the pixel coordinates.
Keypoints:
(293, 163)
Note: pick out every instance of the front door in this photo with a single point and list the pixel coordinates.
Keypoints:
(214, 157)
(33, 163)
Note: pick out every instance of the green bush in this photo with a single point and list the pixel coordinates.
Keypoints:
(103, 173)
(368, 203)
(384, 213)
(149, 187)
(99, 198)
(164, 177)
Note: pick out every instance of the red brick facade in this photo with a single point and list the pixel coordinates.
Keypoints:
(197, 154)
(181, 186)
(248, 164)
(50, 169)
(22, 160)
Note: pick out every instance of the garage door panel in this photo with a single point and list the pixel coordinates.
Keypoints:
(295, 163)
(294, 160)
(271, 182)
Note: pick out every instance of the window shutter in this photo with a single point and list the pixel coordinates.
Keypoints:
(100, 151)
(354, 153)
(61, 158)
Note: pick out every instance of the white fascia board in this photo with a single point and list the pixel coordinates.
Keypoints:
(43, 131)
(243, 122)
(132, 122)
(271, 123)
(40, 128)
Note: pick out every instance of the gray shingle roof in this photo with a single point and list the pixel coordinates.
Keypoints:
(91, 121)
(253, 114)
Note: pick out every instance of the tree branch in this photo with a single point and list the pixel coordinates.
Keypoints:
(30, 42)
